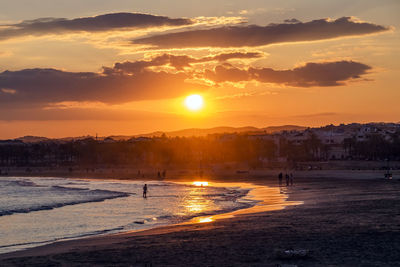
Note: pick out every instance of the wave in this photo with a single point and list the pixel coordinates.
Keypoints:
(25, 183)
(173, 218)
(163, 184)
(74, 183)
(239, 206)
(162, 196)
(25, 196)
(75, 195)
(94, 233)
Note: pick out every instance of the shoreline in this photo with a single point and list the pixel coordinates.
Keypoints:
(256, 193)
(337, 212)
(215, 175)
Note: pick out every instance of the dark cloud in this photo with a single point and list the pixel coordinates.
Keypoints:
(311, 74)
(106, 22)
(292, 21)
(22, 113)
(125, 82)
(41, 86)
(178, 62)
(227, 73)
(253, 35)
(226, 56)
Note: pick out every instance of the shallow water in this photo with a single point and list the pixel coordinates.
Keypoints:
(36, 211)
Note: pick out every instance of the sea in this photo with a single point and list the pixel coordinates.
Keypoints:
(36, 211)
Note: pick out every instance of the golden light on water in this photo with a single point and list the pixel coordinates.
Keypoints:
(194, 102)
(198, 183)
(205, 220)
(268, 198)
(195, 202)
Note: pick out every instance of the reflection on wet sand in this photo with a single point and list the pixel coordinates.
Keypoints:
(269, 199)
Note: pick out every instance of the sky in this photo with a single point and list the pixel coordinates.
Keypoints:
(87, 67)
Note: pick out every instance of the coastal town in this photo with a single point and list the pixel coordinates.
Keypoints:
(351, 146)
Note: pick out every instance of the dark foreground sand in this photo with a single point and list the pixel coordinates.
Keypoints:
(343, 222)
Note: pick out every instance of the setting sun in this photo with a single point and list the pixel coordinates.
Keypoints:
(194, 102)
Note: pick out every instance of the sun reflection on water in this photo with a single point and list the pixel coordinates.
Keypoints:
(199, 183)
(196, 202)
(206, 220)
(268, 199)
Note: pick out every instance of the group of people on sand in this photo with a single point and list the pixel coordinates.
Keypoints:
(162, 174)
(288, 177)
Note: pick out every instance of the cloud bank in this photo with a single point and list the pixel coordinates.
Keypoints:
(101, 23)
(132, 82)
(125, 82)
(179, 62)
(42, 86)
(311, 74)
(254, 35)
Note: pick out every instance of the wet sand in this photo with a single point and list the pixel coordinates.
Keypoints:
(343, 222)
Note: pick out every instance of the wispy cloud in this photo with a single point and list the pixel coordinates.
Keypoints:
(6, 54)
(254, 35)
(7, 91)
(317, 115)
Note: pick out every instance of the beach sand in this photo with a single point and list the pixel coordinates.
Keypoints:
(347, 219)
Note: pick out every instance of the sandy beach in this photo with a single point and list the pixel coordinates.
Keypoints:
(347, 219)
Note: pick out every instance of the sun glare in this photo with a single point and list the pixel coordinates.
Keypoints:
(200, 183)
(194, 102)
(206, 220)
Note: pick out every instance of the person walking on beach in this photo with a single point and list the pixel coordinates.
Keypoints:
(291, 178)
(287, 179)
(280, 176)
(145, 191)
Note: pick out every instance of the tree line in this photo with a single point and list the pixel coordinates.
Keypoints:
(191, 151)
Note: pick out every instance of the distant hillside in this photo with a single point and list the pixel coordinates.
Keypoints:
(275, 129)
(32, 139)
(208, 131)
(215, 130)
(204, 132)
(221, 130)
(191, 132)
(180, 133)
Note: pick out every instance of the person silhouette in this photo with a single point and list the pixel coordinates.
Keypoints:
(287, 179)
(280, 176)
(145, 191)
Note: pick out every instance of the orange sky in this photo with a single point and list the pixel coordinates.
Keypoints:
(123, 69)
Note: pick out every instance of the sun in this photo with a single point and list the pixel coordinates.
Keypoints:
(194, 102)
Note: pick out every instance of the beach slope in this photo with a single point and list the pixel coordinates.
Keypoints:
(343, 222)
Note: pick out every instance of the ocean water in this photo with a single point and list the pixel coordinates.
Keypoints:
(36, 211)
